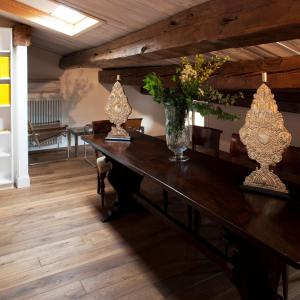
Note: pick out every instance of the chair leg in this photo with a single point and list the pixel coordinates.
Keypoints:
(98, 183)
(102, 188)
(285, 283)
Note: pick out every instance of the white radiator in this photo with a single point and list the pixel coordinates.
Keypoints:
(44, 110)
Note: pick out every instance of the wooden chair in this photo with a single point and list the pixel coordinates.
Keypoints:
(207, 138)
(209, 141)
(134, 125)
(103, 167)
(290, 164)
(287, 169)
(238, 152)
(103, 126)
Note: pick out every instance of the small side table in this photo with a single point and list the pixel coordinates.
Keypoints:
(76, 132)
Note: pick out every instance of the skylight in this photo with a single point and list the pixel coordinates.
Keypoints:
(59, 17)
(67, 14)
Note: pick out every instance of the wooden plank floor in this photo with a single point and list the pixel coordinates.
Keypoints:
(53, 246)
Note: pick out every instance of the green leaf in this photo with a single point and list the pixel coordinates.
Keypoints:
(185, 90)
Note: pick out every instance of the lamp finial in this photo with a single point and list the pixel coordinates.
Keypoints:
(264, 77)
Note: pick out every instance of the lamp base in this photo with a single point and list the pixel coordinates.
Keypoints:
(253, 189)
(179, 158)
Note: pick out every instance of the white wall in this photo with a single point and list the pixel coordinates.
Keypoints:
(43, 65)
(144, 106)
(84, 98)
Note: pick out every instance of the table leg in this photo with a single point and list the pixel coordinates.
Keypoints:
(257, 273)
(125, 182)
(76, 145)
(84, 149)
(68, 151)
(69, 142)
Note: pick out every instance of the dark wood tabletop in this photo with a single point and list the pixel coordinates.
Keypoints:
(213, 187)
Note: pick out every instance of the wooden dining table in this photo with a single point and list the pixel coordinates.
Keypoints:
(265, 228)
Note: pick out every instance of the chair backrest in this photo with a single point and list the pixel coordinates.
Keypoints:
(103, 126)
(206, 137)
(237, 148)
(238, 152)
(134, 124)
(290, 163)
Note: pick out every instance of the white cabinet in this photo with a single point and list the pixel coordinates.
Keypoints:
(6, 109)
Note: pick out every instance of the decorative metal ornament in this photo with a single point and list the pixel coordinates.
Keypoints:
(118, 110)
(265, 138)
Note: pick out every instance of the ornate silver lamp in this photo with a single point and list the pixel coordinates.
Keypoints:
(265, 138)
(118, 110)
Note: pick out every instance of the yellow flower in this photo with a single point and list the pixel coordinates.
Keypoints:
(188, 74)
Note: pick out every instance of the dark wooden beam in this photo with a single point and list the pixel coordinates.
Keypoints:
(213, 25)
(283, 78)
(288, 100)
(135, 76)
(283, 73)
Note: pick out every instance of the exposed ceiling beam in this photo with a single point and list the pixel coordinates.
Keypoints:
(213, 25)
(287, 99)
(242, 76)
(283, 73)
(135, 76)
(21, 10)
(21, 35)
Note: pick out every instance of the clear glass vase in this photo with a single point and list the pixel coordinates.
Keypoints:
(177, 132)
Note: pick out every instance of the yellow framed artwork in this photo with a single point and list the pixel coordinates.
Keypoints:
(4, 67)
(4, 94)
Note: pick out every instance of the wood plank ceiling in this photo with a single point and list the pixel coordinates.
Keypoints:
(122, 17)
